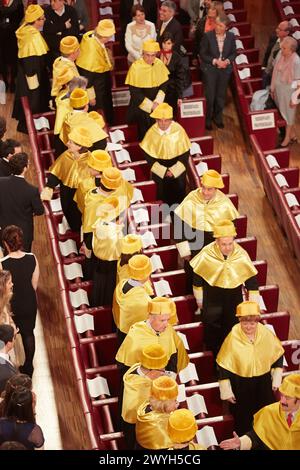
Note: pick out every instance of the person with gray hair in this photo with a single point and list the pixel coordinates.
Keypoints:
(168, 23)
(286, 71)
(283, 30)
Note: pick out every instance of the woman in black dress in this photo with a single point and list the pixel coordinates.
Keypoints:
(24, 269)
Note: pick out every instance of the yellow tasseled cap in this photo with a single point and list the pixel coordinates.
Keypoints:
(81, 136)
(161, 306)
(182, 426)
(132, 243)
(162, 111)
(79, 98)
(212, 179)
(247, 309)
(65, 75)
(139, 267)
(106, 28)
(164, 388)
(225, 228)
(154, 356)
(99, 160)
(111, 178)
(33, 13)
(291, 386)
(151, 46)
(68, 45)
(98, 118)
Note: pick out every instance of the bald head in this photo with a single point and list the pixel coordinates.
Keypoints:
(283, 29)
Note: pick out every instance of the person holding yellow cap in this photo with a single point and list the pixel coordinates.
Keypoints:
(32, 77)
(95, 64)
(137, 386)
(156, 329)
(250, 365)
(166, 148)
(182, 428)
(220, 271)
(132, 295)
(147, 79)
(61, 21)
(67, 171)
(131, 246)
(276, 426)
(153, 415)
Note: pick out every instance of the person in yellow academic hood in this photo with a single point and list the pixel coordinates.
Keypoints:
(132, 295)
(182, 428)
(131, 246)
(167, 148)
(70, 50)
(147, 79)
(67, 171)
(95, 64)
(137, 386)
(32, 77)
(276, 426)
(152, 430)
(156, 329)
(250, 365)
(220, 271)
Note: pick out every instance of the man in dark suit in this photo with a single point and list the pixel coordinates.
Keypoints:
(168, 23)
(19, 200)
(8, 148)
(7, 369)
(217, 52)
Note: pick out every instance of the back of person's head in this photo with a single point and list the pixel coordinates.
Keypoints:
(12, 445)
(12, 235)
(6, 335)
(20, 405)
(8, 147)
(19, 161)
(2, 126)
(136, 8)
(78, 82)
(17, 380)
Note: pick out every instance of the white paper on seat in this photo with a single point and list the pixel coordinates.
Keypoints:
(231, 18)
(41, 123)
(123, 156)
(63, 227)
(288, 10)
(84, 322)
(188, 374)
(281, 181)
(129, 174)
(183, 338)
(228, 6)
(181, 393)
(140, 215)
(195, 149)
(162, 288)
(97, 386)
(235, 31)
(241, 59)
(285, 1)
(296, 35)
(116, 136)
(293, 22)
(67, 247)
(297, 218)
(137, 196)
(261, 303)
(201, 168)
(73, 270)
(272, 162)
(79, 297)
(285, 364)
(55, 205)
(156, 263)
(270, 327)
(112, 147)
(148, 239)
(206, 437)
(239, 44)
(291, 199)
(105, 1)
(196, 404)
(106, 11)
(244, 73)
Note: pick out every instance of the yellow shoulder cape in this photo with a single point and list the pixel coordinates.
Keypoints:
(69, 169)
(137, 389)
(93, 57)
(107, 246)
(246, 359)
(216, 271)
(166, 146)
(142, 75)
(30, 42)
(152, 429)
(82, 119)
(63, 108)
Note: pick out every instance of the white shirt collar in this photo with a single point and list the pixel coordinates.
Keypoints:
(134, 282)
(19, 176)
(165, 23)
(6, 357)
(61, 13)
(165, 132)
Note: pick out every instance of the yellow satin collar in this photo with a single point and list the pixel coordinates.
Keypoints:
(93, 57)
(271, 426)
(84, 187)
(30, 42)
(137, 389)
(166, 146)
(59, 63)
(216, 271)
(152, 429)
(107, 247)
(241, 357)
(202, 215)
(81, 118)
(71, 169)
(63, 108)
(142, 75)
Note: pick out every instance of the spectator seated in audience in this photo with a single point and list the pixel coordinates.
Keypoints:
(137, 32)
